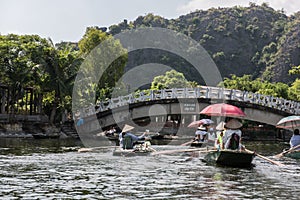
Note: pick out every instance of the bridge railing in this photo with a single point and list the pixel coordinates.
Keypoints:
(285, 105)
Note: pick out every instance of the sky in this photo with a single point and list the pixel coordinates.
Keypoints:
(66, 20)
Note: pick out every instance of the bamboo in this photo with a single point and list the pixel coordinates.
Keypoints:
(200, 150)
(265, 158)
(287, 151)
(82, 150)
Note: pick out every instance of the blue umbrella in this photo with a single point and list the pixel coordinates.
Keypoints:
(201, 122)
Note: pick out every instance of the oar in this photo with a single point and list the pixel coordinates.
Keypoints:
(190, 142)
(287, 151)
(187, 143)
(202, 150)
(81, 150)
(265, 158)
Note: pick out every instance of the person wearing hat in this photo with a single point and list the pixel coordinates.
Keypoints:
(233, 134)
(201, 133)
(127, 139)
(219, 142)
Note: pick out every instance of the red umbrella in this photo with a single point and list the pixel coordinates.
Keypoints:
(223, 109)
(200, 122)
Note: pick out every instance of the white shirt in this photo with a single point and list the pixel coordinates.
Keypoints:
(229, 132)
(201, 133)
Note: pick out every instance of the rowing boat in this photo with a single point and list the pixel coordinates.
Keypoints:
(139, 150)
(294, 154)
(130, 152)
(232, 158)
(197, 144)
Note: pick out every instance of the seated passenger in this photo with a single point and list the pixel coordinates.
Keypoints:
(233, 135)
(295, 139)
(128, 139)
(201, 133)
(219, 142)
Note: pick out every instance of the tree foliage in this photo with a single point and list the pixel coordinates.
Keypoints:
(32, 61)
(246, 83)
(295, 70)
(171, 79)
(109, 73)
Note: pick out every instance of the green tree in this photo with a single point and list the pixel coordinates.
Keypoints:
(171, 79)
(295, 70)
(19, 57)
(55, 74)
(294, 90)
(110, 46)
(245, 83)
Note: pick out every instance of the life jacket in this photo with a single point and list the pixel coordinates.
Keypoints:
(127, 142)
(220, 140)
(234, 142)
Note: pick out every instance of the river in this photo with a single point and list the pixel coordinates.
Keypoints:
(53, 169)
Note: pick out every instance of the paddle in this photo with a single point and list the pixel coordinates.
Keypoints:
(190, 142)
(265, 158)
(201, 150)
(81, 150)
(287, 151)
(187, 143)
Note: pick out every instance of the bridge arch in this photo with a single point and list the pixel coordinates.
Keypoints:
(260, 108)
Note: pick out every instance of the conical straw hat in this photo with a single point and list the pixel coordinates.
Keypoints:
(233, 124)
(221, 126)
(127, 128)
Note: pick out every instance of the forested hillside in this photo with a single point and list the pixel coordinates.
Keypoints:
(256, 44)
(256, 40)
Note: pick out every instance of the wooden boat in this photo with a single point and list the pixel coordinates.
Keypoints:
(197, 144)
(230, 158)
(130, 152)
(139, 150)
(294, 154)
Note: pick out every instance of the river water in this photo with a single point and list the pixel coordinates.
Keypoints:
(53, 169)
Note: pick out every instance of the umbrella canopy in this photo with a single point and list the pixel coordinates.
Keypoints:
(223, 109)
(200, 122)
(289, 122)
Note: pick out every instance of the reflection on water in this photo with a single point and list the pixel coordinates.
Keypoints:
(52, 170)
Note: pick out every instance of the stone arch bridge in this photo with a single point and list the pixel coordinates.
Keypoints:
(183, 104)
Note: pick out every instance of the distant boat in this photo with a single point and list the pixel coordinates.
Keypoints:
(231, 158)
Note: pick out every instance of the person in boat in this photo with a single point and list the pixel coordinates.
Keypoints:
(219, 142)
(127, 139)
(78, 119)
(211, 134)
(111, 131)
(295, 139)
(201, 133)
(233, 135)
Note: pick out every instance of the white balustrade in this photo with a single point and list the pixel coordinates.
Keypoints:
(289, 106)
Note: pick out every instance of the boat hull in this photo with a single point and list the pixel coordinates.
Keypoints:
(230, 158)
(197, 144)
(131, 152)
(295, 155)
